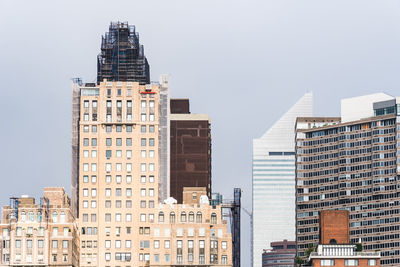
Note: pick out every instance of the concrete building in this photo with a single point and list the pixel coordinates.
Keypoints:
(334, 247)
(282, 254)
(352, 163)
(43, 234)
(190, 146)
(274, 180)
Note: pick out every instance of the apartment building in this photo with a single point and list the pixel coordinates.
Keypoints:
(190, 146)
(274, 180)
(43, 234)
(352, 163)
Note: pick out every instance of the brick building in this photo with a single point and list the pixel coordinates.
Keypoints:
(190, 146)
(334, 248)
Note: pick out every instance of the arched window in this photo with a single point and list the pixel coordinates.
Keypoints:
(213, 218)
(161, 217)
(332, 242)
(31, 216)
(172, 217)
(62, 217)
(191, 216)
(23, 216)
(183, 216)
(54, 217)
(199, 217)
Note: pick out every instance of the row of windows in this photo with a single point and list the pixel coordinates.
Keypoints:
(118, 167)
(118, 142)
(119, 128)
(118, 179)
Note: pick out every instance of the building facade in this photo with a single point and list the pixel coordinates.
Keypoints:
(352, 163)
(334, 248)
(43, 234)
(282, 254)
(274, 181)
(190, 146)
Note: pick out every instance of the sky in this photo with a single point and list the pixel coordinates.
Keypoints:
(242, 62)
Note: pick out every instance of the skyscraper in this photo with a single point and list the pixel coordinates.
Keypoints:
(122, 56)
(120, 155)
(274, 180)
(352, 163)
(190, 148)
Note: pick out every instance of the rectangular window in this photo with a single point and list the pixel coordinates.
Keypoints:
(142, 142)
(128, 204)
(128, 141)
(151, 142)
(108, 141)
(94, 141)
(151, 128)
(54, 244)
(143, 128)
(128, 179)
(151, 154)
(108, 153)
(118, 153)
(143, 167)
(143, 153)
(128, 129)
(85, 141)
(129, 167)
(349, 262)
(65, 243)
(119, 141)
(129, 154)
(327, 262)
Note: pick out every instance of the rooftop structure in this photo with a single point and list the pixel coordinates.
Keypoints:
(122, 56)
(283, 253)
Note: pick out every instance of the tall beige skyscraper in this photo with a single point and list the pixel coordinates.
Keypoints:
(120, 172)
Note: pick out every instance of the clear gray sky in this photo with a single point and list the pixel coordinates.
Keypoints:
(242, 62)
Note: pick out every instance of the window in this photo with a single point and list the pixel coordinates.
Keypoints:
(29, 243)
(86, 103)
(94, 141)
(128, 203)
(127, 244)
(151, 179)
(327, 262)
(118, 153)
(18, 243)
(156, 244)
(142, 142)
(129, 192)
(128, 141)
(94, 127)
(350, 262)
(118, 179)
(161, 217)
(151, 167)
(118, 167)
(108, 256)
(129, 154)
(151, 142)
(224, 259)
(151, 128)
(108, 244)
(86, 128)
(94, 153)
(128, 217)
(108, 142)
(213, 218)
(62, 217)
(191, 216)
(94, 192)
(172, 217)
(117, 243)
(55, 231)
(129, 167)
(85, 141)
(128, 179)
(143, 129)
(85, 204)
(151, 154)
(85, 179)
(143, 167)
(40, 243)
(54, 244)
(65, 243)
(94, 167)
(108, 167)
(85, 153)
(108, 129)
(85, 192)
(118, 217)
(142, 217)
(372, 262)
(108, 153)
(143, 192)
(183, 217)
(143, 153)
(166, 257)
(54, 217)
(143, 179)
(119, 141)
(128, 129)
(94, 179)
(93, 204)
(108, 179)
(151, 117)
(166, 244)
(93, 218)
(108, 192)
(66, 231)
(119, 128)
(118, 192)
(224, 245)
(151, 192)
(108, 204)
(199, 218)
(108, 217)
(85, 217)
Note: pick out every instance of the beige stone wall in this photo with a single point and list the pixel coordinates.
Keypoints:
(43, 234)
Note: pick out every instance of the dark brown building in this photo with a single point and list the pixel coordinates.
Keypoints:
(283, 253)
(334, 227)
(190, 148)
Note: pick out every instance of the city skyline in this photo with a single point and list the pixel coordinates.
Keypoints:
(336, 71)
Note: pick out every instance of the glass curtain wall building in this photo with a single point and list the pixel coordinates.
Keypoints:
(274, 181)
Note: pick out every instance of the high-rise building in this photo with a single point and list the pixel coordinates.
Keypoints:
(190, 149)
(43, 234)
(352, 163)
(120, 182)
(283, 253)
(122, 56)
(274, 181)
